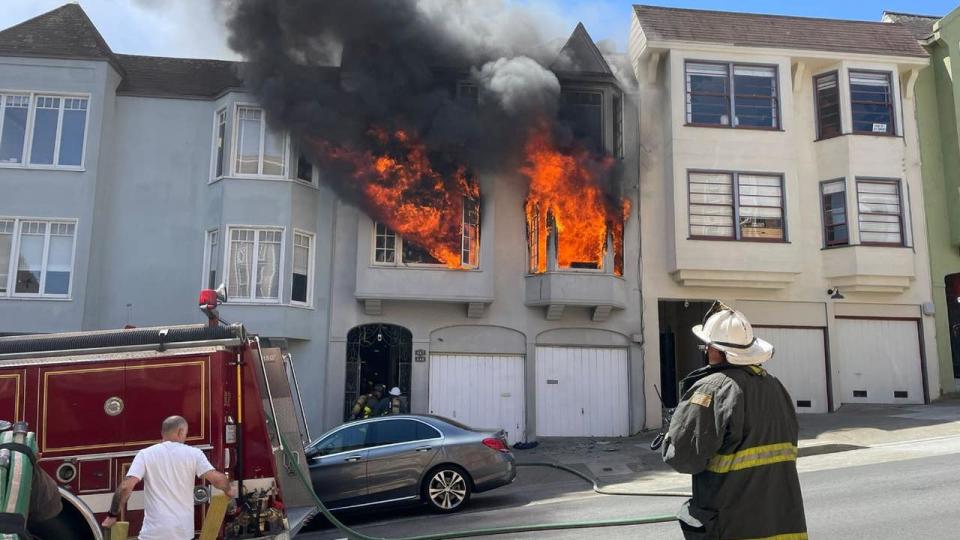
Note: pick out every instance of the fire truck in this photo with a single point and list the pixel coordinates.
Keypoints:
(94, 399)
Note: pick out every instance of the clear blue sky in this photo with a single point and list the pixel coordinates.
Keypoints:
(193, 28)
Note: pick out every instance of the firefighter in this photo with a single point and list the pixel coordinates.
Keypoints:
(395, 404)
(735, 430)
(369, 404)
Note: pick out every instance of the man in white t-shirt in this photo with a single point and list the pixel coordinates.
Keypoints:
(168, 470)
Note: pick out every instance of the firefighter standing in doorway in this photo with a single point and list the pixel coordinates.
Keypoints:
(735, 430)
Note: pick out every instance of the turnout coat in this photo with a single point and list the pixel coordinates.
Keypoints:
(736, 432)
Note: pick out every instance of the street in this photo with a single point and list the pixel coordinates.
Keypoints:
(889, 491)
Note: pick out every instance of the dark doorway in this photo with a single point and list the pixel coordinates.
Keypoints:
(679, 354)
(953, 319)
(376, 354)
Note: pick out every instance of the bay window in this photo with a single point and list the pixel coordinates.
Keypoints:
(881, 212)
(736, 206)
(390, 249)
(833, 197)
(871, 102)
(827, 96)
(259, 150)
(732, 95)
(54, 126)
(254, 264)
(36, 257)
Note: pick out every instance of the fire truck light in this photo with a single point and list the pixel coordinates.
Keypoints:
(208, 298)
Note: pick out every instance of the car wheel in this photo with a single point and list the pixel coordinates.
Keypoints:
(447, 489)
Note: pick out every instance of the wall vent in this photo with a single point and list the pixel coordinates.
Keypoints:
(859, 393)
(900, 394)
(804, 403)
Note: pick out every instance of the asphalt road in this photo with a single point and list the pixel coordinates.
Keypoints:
(895, 499)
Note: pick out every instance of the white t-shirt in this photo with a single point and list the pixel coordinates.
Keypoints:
(168, 470)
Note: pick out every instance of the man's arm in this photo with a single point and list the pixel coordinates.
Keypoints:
(698, 427)
(119, 501)
(220, 481)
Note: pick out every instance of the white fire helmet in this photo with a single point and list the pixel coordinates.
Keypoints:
(727, 330)
(395, 391)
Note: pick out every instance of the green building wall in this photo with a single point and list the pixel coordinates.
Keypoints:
(938, 105)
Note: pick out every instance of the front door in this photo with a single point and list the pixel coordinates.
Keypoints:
(376, 354)
(401, 450)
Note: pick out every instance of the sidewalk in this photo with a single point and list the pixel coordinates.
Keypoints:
(628, 462)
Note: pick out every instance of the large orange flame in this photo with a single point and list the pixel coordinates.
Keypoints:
(567, 209)
(404, 192)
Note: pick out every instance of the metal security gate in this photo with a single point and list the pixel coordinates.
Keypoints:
(481, 391)
(582, 392)
(800, 363)
(880, 361)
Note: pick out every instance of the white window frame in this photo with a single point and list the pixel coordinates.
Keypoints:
(234, 146)
(252, 296)
(226, 149)
(208, 251)
(15, 256)
(398, 261)
(310, 266)
(26, 156)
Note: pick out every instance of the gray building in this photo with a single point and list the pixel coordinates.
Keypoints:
(130, 182)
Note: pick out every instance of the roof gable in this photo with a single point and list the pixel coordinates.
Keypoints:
(920, 25)
(777, 31)
(65, 32)
(581, 55)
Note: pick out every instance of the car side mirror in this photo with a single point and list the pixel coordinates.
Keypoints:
(312, 453)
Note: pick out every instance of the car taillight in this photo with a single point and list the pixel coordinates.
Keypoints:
(496, 444)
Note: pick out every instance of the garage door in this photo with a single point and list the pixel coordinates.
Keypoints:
(879, 361)
(582, 392)
(800, 362)
(481, 391)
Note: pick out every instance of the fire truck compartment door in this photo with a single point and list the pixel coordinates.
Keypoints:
(295, 494)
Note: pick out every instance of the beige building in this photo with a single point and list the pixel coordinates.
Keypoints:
(780, 172)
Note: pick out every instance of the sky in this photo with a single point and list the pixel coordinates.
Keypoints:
(194, 28)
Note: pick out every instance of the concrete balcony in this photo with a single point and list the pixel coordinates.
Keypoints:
(741, 265)
(376, 284)
(556, 290)
(870, 269)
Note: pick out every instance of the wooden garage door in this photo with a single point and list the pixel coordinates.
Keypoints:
(800, 362)
(879, 361)
(481, 391)
(582, 392)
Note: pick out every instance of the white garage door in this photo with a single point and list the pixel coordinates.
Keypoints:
(879, 361)
(582, 392)
(481, 391)
(800, 362)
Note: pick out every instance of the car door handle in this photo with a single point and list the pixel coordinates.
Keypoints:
(353, 459)
(424, 448)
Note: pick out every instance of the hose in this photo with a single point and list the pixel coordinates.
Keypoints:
(599, 490)
(491, 531)
(16, 474)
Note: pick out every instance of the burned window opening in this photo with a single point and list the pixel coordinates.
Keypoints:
(582, 111)
(391, 249)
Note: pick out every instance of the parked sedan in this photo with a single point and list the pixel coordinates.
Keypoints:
(407, 459)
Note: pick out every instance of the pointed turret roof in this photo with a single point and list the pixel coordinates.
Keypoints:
(65, 32)
(581, 55)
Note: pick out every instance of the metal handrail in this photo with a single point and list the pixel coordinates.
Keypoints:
(296, 386)
(266, 381)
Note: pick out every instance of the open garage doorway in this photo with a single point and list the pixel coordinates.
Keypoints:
(679, 354)
(376, 354)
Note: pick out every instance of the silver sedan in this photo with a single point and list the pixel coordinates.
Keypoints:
(408, 459)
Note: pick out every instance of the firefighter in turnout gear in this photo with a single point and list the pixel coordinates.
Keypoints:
(735, 430)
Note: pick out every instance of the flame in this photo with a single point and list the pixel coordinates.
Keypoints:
(567, 204)
(403, 191)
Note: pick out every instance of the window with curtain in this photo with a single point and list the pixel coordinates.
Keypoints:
(871, 102)
(259, 150)
(880, 212)
(827, 95)
(833, 197)
(254, 264)
(736, 206)
(302, 249)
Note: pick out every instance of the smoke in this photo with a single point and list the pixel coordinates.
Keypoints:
(519, 84)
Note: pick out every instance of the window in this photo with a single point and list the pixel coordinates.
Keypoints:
(345, 440)
(254, 264)
(618, 126)
(871, 102)
(212, 264)
(468, 94)
(36, 257)
(833, 196)
(736, 206)
(385, 249)
(470, 238)
(827, 101)
(393, 432)
(259, 150)
(389, 249)
(302, 268)
(717, 93)
(881, 217)
(582, 111)
(58, 128)
(304, 168)
(220, 142)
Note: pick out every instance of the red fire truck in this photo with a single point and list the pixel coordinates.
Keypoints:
(96, 398)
